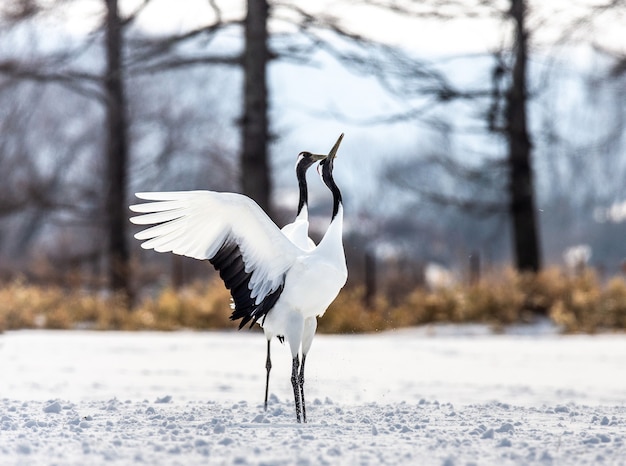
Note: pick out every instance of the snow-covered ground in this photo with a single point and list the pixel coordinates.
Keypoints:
(435, 395)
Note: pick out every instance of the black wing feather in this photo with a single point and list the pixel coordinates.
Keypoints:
(230, 264)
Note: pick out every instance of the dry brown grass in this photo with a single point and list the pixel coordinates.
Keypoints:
(578, 303)
(200, 306)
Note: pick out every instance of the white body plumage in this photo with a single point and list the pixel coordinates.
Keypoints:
(311, 285)
(298, 231)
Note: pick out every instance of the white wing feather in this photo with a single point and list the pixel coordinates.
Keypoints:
(198, 223)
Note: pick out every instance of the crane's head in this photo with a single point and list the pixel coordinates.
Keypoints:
(306, 159)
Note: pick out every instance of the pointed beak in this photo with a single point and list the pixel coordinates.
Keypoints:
(331, 155)
(318, 157)
(333, 152)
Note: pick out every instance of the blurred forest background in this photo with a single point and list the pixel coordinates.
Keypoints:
(485, 147)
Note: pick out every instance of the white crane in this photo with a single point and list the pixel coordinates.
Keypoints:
(272, 281)
(298, 234)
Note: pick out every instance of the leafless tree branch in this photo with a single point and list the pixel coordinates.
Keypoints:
(77, 81)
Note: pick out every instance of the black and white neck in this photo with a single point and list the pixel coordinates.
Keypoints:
(304, 162)
(327, 177)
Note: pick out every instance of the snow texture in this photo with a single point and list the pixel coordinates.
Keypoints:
(438, 395)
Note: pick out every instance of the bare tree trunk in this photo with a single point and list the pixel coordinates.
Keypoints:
(116, 154)
(521, 190)
(255, 176)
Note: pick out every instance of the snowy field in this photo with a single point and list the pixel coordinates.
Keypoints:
(436, 395)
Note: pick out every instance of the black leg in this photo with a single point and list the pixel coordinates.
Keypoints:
(296, 388)
(301, 380)
(268, 367)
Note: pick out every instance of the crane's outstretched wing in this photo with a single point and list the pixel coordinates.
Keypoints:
(232, 232)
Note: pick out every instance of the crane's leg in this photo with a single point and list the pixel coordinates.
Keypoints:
(268, 368)
(301, 383)
(296, 387)
(310, 325)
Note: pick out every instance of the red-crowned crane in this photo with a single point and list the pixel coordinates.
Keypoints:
(272, 281)
(298, 233)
